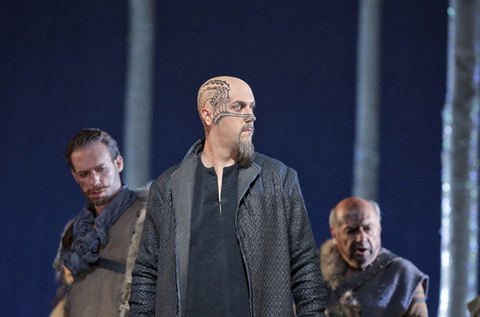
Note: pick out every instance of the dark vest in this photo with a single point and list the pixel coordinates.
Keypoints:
(385, 288)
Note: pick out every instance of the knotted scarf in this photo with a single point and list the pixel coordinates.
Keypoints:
(91, 232)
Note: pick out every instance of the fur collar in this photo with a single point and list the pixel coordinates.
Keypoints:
(333, 265)
(133, 251)
(333, 271)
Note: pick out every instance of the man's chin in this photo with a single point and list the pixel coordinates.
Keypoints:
(364, 262)
(245, 151)
(361, 260)
(100, 201)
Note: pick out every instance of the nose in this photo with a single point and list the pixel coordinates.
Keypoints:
(94, 179)
(250, 118)
(361, 235)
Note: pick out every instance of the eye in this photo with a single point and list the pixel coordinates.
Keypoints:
(237, 107)
(101, 169)
(82, 174)
(350, 231)
(367, 228)
(253, 107)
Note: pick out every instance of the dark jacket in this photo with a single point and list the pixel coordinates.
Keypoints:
(273, 230)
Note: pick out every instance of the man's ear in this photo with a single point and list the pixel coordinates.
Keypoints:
(207, 116)
(118, 163)
(74, 175)
(332, 232)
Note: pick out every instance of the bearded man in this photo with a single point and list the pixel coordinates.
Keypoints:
(226, 231)
(363, 278)
(98, 248)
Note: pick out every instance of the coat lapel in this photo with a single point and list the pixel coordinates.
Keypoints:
(245, 177)
(182, 194)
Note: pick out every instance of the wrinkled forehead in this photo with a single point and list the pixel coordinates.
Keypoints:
(356, 217)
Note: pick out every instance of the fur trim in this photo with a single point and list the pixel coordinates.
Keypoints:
(333, 265)
(133, 251)
(333, 270)
(58, 262)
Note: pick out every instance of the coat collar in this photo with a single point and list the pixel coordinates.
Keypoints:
(245, 177)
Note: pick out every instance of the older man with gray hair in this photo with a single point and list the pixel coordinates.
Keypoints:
(363, 278)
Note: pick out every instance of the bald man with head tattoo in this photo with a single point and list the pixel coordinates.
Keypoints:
(226, 231)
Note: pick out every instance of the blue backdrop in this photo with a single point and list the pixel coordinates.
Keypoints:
(63, 67)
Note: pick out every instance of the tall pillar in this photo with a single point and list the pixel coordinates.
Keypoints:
(139, 93)
(366, 157)
(459, 247)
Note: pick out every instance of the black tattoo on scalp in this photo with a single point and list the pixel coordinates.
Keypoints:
(217, 93)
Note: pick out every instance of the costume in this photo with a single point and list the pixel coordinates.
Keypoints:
(386, 287)
(103, 287)
(474, 307)
(274, 235)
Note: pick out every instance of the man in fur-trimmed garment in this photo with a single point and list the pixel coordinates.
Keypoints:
(98, 248)
(363, 278)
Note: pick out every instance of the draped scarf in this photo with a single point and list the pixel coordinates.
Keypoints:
(90, 232)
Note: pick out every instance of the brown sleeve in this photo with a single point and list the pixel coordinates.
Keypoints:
(418, 306)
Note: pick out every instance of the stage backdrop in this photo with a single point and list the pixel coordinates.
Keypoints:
(63, 68)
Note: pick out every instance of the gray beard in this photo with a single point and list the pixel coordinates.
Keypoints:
(245, 152)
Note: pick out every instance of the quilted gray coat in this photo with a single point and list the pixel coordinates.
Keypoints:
(273, 230)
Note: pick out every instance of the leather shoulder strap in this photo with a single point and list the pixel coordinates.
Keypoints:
(362, 276)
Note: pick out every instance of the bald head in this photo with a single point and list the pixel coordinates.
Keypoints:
(352, 204)
(216, 89)
(216, 93)
(355, 227)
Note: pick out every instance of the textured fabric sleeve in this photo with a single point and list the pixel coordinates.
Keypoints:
(307, 284)
(144, 274)
(418, 306)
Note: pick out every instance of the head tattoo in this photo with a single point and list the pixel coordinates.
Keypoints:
(217, 93)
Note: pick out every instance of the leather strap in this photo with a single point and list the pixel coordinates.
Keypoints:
(362, 276)
(111, 265)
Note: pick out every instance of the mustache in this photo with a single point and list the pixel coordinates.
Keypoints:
(248, 127)
(94, 189)
(356, 246)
